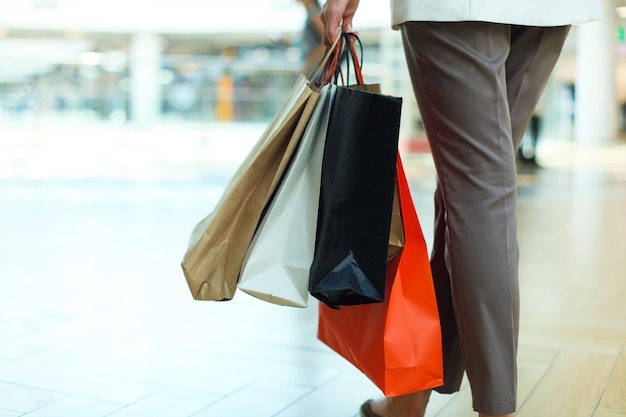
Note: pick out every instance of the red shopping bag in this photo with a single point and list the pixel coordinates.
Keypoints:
(396, 343)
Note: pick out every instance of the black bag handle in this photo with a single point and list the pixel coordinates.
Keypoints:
(343, 50)
(350, 40)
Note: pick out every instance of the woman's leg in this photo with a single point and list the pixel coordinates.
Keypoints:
(410, 405)
(534, 53)
(459, 78)
(466, 75)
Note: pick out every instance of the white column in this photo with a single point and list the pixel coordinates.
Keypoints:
(145, 72)
(596, 103)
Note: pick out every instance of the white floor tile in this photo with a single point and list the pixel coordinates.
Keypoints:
(168, 403)
(76, 407)
(23, 399)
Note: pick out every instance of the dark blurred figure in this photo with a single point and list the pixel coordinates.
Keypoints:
(311, 43)
(527, 152)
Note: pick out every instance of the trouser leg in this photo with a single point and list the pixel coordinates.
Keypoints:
(453, 364)
(534, 53)
(475, 100)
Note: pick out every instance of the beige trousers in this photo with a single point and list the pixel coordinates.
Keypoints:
(477, 85)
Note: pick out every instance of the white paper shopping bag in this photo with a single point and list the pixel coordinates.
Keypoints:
(218, 243)
(278, 260)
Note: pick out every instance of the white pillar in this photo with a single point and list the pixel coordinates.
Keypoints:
(145, 82)
(596, 103)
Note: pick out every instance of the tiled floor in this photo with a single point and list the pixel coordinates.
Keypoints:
(96, 318)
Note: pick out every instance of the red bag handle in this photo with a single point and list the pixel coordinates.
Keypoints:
(331, 69)
(355, 60)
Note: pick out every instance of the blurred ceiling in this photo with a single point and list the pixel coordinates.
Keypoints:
(36, 34)
(168, 16)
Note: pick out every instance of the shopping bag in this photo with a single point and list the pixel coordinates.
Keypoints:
(276, 266)
(396, 231)
(218, 243)
(356, 201)
(396, 343)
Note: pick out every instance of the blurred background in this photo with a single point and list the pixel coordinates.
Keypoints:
(194, 64)
(121, 122)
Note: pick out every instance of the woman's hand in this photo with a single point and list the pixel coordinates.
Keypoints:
(337, 17)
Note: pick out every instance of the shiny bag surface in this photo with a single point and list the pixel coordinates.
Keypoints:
(356, 199)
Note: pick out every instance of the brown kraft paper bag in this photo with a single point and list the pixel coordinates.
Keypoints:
(218, 243)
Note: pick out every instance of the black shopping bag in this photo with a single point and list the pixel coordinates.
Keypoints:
(356, 199)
